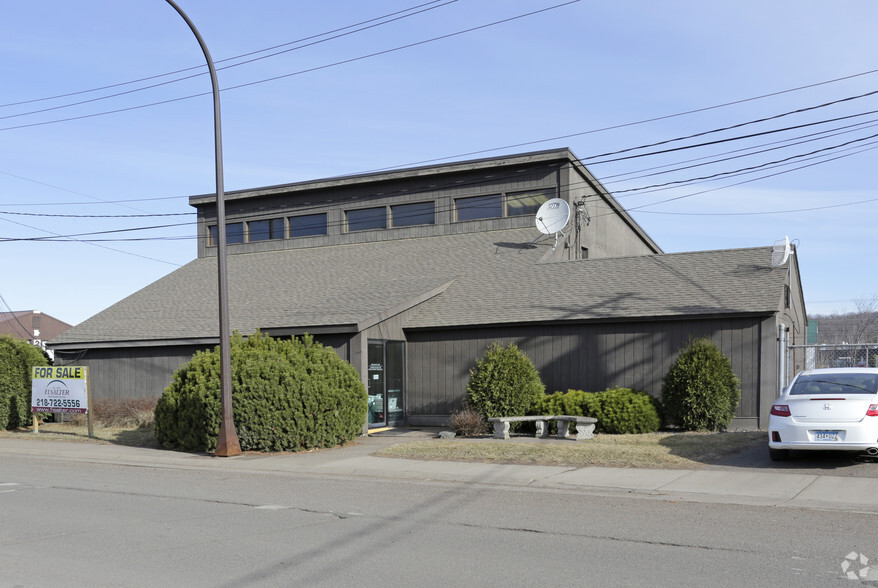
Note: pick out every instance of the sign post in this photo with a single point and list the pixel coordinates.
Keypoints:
(62, 389)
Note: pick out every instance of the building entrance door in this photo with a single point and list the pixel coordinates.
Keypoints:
(386, 383)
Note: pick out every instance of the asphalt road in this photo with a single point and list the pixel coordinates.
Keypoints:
(97, 524)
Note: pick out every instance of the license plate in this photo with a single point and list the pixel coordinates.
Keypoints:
(826, 435)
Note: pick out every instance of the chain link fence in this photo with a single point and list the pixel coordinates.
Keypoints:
(806, 357)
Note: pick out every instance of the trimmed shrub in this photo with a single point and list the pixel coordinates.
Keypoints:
(287, 395)
(504, 382)
(618, 410)
(17, 357)
(700, 390)
(468, 423)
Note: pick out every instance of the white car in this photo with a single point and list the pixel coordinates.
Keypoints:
(826, 409)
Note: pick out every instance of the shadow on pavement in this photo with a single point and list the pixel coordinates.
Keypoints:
(833, 463)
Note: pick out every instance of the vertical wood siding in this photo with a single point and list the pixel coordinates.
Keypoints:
(589, 357)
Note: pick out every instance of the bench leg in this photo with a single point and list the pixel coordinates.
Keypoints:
(501, 430)
(584, 432)
(542, 429)
(563, 427)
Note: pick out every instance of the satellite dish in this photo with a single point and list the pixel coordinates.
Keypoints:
(553, 216)
(780, 252)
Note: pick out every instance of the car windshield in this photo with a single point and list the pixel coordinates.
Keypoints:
(836, 384)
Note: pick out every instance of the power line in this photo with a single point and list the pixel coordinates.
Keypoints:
(202, 66)
(300, 72)
(493, 178)
(188, 77)
(625, 125)
(637, 208)
(85, 242)
(742, 152)
(14, 315)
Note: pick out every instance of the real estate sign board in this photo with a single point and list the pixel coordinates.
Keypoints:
(61, 389)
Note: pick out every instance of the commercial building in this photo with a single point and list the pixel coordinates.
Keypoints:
(410, 274)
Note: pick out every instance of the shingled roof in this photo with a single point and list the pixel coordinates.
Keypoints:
(468, 279)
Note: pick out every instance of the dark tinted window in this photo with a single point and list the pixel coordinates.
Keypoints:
(234, 234)
(308, 225)
(850, 383)
(367, 218)
(417, 213)
(263, 230)
(479, 207)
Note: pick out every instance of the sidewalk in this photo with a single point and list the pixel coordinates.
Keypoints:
(727, 486)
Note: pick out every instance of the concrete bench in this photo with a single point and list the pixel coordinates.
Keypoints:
(584, 425)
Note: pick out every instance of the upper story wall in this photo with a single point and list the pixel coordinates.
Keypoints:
(474, 196)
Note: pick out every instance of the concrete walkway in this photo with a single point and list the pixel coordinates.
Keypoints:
(734, 485)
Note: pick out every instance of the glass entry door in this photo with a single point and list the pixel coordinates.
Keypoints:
(386, 383)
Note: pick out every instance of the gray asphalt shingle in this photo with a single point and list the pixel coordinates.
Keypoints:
(495, 277)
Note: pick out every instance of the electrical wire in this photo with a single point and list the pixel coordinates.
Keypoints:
(227, 59)
(627, 210)
(492, 178)
(188, 77)
(300, 72)
(24, 331)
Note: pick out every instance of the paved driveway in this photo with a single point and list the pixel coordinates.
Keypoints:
(821, 463)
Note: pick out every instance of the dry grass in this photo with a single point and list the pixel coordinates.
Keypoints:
(78, 433)
(121, 422)
(131, 424)
(655, 450)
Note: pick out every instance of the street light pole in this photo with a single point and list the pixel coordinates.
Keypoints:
(227, 444)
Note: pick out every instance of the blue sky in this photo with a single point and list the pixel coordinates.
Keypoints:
(536, 82)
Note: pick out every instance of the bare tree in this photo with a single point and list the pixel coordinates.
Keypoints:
(864, 321)
(859, 326)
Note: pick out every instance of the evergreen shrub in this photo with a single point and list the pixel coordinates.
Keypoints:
(617, 410)
(17, 357)
(287, 395)
(700, 390)
(504, 382)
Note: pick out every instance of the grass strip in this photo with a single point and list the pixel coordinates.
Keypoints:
(648, 450)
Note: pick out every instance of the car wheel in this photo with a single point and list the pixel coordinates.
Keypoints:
(778, 454)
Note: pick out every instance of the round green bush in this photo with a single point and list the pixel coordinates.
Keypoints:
(700, 391)
(287, 395)
(504, 382)
(617, 410)
(17, 357)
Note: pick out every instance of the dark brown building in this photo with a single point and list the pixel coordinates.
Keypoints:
(32, 325)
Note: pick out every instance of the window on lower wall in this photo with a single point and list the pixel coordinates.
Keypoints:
(416, 213)
(264, 230)
(364, 219)
(527, 202)
(476, 207)
(308, 225)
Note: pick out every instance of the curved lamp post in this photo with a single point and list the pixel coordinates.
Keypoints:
(227, 444)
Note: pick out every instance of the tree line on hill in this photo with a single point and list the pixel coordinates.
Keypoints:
(859, 326)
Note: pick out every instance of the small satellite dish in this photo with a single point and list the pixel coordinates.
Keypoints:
(780, 252)
(553, 216)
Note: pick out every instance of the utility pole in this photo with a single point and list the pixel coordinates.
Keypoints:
(227, 444)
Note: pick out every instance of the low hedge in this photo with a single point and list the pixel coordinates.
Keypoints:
(617, 410)
(287, 395)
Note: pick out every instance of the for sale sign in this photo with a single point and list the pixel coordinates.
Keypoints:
(59, 389)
